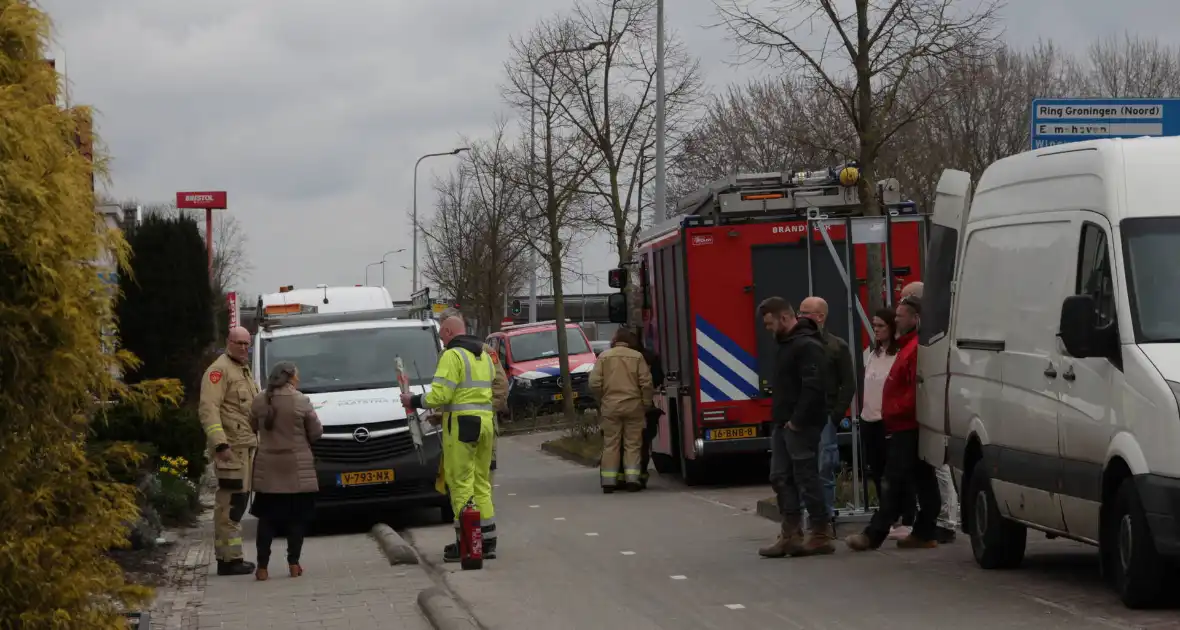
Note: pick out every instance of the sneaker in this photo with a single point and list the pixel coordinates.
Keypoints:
(234, 567)
(945, 536)
(899, 532)
(451, 553)
(860, 542)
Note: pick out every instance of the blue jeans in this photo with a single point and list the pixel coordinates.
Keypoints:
(829, 466)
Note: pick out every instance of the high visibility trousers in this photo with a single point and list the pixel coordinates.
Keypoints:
(468, 441)
(622, 438)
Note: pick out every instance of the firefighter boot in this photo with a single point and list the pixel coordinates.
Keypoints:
(790, 539)
(451, 551)
(489, 549)
(234, 567)
(819, 540)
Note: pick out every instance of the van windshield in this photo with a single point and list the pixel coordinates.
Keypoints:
(355, 359)
(543, 344)
(1151, 247)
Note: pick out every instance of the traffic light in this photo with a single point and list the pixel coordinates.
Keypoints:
(617, 278)
(516, 307)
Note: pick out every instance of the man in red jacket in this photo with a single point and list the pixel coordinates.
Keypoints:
(905, 472)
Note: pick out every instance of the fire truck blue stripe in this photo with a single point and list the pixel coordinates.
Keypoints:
(712, 391)
(727, 344)
(745, 387)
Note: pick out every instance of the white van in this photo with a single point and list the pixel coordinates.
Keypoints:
(346, 361)
(1049, 364)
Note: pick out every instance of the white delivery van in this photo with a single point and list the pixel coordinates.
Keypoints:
(1049, 364)
(346, 361)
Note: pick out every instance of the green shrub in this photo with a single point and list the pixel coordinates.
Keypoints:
(62, 510)
(176, 432)
(175, 497)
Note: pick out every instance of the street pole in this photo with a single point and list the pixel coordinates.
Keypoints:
(414, 219)
(582, 271)
(661, 200)
(376, 262)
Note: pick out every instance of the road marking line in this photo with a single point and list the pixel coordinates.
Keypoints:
(496, 485)
(559, 518)
(627, 553)
(591, 533)
(511, 494)
(678, 577)
(734, 606)
(534, 506)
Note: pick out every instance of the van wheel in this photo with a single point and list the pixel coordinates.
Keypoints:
(1136, 568)
(996, 542)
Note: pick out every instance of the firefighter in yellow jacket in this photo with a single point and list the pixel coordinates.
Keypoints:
(227, 391)
(621, 381)
(462, 392)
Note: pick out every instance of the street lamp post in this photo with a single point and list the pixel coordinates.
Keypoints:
(414, 281)
(383, 257)
(377, 262)
(661, 192)
(533, 151)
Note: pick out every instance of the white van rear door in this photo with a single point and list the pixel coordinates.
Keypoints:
(951, 202)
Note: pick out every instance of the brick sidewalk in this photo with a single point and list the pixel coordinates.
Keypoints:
(176, 604)
(347, 583)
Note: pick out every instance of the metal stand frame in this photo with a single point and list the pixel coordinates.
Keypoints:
(857, 231)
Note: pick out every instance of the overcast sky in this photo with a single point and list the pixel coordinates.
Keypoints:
(311, 113)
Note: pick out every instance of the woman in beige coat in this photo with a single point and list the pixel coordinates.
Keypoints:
(284, 469)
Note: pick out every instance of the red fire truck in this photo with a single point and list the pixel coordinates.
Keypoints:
(703, 273)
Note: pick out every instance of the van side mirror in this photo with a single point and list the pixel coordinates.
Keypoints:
(616, 308)
(1078, 328)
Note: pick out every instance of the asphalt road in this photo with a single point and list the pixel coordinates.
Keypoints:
(674, 557)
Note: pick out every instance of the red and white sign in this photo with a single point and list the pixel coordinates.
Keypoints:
(209, 200)
(702, 239)
(507, 321)
(231, 299)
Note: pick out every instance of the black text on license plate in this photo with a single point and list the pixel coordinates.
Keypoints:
(365, 477)
(733, 433)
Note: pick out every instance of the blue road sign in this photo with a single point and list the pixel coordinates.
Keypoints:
(1062, 120)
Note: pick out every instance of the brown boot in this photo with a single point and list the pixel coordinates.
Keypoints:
(913, 542)
(819, 541)
(790, 540)
(860, 542)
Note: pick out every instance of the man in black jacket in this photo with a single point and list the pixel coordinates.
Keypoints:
(799, 413)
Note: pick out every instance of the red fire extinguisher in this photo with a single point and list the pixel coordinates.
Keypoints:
(470, 537)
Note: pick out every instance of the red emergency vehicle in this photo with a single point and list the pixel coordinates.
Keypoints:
(703, 273)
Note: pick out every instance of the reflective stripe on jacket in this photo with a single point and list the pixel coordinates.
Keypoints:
(463, 380)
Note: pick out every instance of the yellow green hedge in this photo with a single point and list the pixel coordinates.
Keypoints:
(59, 512)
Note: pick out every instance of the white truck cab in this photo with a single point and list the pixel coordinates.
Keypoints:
(1049, 358)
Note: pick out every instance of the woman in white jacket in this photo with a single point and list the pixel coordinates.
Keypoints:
(878, 359)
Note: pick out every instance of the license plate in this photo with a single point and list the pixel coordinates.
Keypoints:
(365, 477)
(732, 433)
(559, 396)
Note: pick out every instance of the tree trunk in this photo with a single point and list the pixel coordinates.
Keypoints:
(563, 350)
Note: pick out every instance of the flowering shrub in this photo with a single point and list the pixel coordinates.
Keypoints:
(174, 496)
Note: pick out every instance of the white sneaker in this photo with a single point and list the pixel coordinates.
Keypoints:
(898, 532)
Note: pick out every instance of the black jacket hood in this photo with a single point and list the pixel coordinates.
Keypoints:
(470, 343)
(804, 327)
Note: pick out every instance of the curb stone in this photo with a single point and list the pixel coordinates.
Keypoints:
(443, 612)
(768, 508)
(553, 449)
(395, 548)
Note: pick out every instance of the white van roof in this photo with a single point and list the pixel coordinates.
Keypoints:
(354, 325)
(1117, 177)
(340, 299)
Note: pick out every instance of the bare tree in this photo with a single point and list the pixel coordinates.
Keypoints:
(1132, 67)
(474, 249)
(613, 105)
(867, 56)
(554, 173)
(756, 128)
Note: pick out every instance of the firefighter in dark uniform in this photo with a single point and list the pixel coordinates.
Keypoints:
(227, 391)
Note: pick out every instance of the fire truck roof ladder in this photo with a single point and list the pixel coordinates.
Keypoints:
(791, 192)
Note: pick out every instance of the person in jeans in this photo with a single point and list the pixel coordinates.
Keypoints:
(284, 482)
(798, 413)
(948, 516)
(840, 378)
(905, 472)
